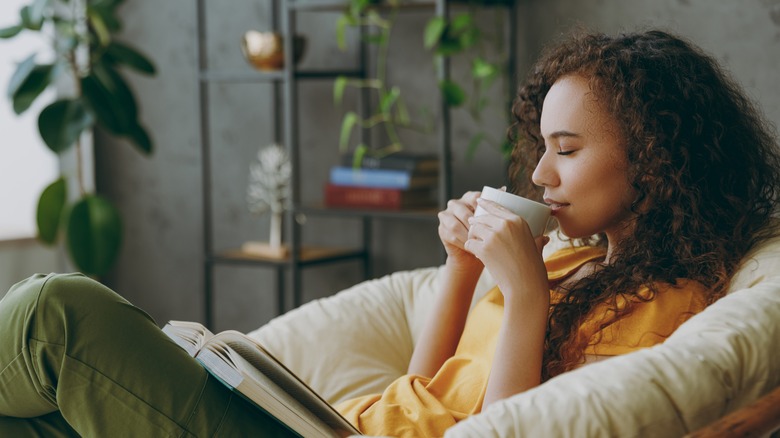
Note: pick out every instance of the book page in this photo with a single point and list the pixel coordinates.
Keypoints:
(259, 358)
(189, 335)
(259, 390)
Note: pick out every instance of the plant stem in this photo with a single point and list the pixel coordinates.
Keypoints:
(382, 76)
(80, 68)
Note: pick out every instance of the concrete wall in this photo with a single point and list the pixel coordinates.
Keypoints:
(160, 268)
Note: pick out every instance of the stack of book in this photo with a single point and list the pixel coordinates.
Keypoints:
(394, 182)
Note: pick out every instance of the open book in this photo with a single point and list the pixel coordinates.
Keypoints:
(244, 366)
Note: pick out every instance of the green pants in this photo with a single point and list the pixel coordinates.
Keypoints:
(77, 359)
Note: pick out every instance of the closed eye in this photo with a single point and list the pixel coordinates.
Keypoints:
(564, 153)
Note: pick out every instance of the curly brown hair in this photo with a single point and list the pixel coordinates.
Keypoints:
(700, 155)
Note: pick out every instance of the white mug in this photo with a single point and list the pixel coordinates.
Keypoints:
(535, 213)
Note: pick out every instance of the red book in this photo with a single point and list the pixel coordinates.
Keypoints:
(377, 198)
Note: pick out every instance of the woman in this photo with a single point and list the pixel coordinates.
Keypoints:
(640, 139)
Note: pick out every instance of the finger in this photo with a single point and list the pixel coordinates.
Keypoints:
(475, 247)
(476, 229)
(470, 199)
(453, 223)
(495, 208)
(541, 241)
(460, 211)
(452, 229)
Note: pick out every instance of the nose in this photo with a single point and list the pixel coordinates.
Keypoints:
(544, 174)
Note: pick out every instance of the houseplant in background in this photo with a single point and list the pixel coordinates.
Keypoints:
(462, 34)
(87, 54)
(391, 113)
(445, 37)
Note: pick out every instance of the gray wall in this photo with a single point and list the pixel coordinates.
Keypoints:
(160, 268)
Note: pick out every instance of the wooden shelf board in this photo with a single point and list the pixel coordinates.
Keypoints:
(309, 254)
(411, 213)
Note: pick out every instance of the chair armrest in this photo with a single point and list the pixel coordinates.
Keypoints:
(718, 361)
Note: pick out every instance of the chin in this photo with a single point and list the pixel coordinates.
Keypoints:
(573, 232)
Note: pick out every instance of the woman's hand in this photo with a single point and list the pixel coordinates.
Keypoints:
(502, 241)
(454, 231)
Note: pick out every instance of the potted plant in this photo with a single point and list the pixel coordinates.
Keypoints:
(87, 54)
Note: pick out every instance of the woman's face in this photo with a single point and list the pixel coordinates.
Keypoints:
(583, 169)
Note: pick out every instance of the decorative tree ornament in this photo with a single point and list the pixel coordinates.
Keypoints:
(268, 191)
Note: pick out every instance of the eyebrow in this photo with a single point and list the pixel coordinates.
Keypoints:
(559, 134)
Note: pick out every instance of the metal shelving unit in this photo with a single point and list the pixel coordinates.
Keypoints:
(286, 126)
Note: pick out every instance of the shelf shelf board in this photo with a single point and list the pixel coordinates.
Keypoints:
(340, 5)
(427, 214)
(327, 74)
(310, 255)
(254, 76)
(241, 76)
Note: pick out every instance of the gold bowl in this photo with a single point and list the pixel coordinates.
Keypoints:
(265, 50)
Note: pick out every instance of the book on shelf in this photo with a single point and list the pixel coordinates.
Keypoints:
(408, 161)
(244, 366)
(381, 178)
(377, 198)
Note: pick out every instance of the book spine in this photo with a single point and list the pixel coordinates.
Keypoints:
(362, 197)
(379, 178)
(394, 162)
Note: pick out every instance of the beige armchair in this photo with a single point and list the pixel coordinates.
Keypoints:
(725, 358)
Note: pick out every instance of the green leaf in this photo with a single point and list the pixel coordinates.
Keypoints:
(10, 32)
(141, 139)
(402, 113)
(30, 21)
(341, 32)
(452, 93)
(94, 234)
(98, 26)
(49, 213)
(124, 54)
(469, 38)
(33, 85)
(107, 12)
(482, 69)
(388, 99)
(433, 31)
(23, 70)
(461, 23)
(111, 100)
(62, 122)
(36, 11)
(357, 157)
(347, 124)
(338, 89)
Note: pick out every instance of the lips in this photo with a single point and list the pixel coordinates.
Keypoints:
(555, 205)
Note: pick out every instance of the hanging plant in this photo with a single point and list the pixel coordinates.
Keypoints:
(87, 53)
